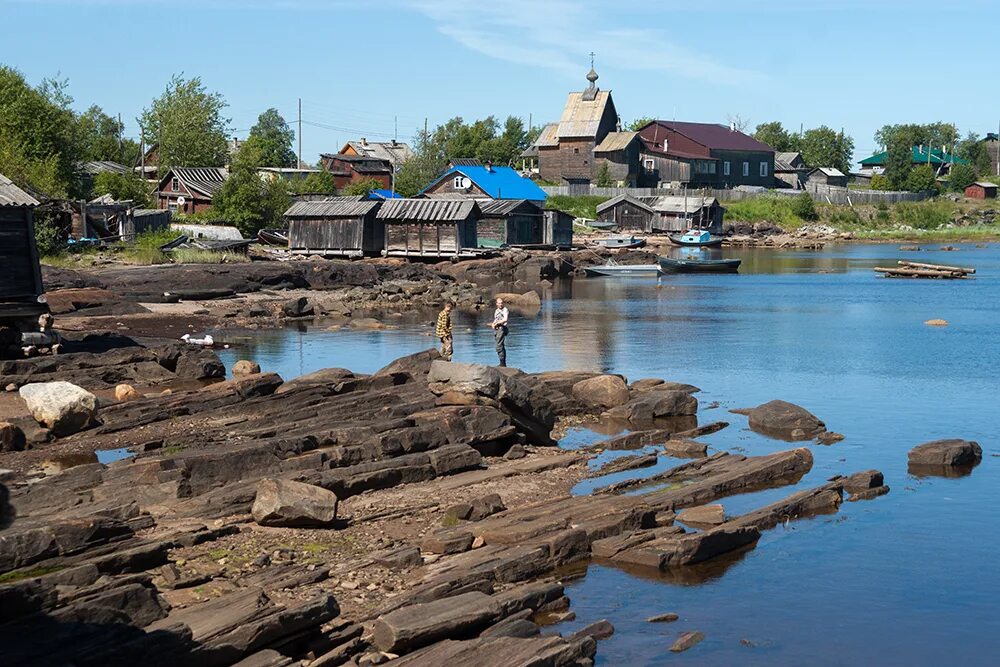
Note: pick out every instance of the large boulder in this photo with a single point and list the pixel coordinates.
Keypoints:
(603, 391)
(950, 452)
(199, 364)
(527, 301)
(656, 404)
(446, 376)
(416, 364)
(61, 407)
(245, 367)
(786, 421)
(281, 502)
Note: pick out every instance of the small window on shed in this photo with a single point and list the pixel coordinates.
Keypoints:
(726, 168)
(648, 164)
(576, 150)
(746, 168)
(175, 185)
(763, 169)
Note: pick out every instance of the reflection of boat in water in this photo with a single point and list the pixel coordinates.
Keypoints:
(696, 238)
(620, 241)
(622, 270)
(691, 265)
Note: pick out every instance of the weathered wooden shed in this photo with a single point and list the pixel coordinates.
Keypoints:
(672, 213)
(627, 212)
(344, 226)
(982, 190)
(558, 228)
(429, 227)
(509, 222)
(20, 273)
(827, 176)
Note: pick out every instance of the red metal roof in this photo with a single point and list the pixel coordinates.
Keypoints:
(715, 136)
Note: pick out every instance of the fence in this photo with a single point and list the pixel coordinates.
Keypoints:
(820, 193)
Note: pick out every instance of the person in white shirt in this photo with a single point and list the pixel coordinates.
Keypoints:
(499, 326)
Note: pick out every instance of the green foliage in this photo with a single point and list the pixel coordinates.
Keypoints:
(604, 175)
(639, 123)
(50, 237)
(155, 238)
(102, 138)
(581, 206)
(937, 135)
(274, 138)
(122, 187)
(316, 182)
(961, 176)
(187, 122)
(39, 571)
(245, 199)
(898, 162)
(973, 149)
(198, 256)
(777, 137)
(923, 215)
(920, 178)
(39, 141)
(776, 209)
(362, 187)
(825, 147)
(880, 182)
(804, 207)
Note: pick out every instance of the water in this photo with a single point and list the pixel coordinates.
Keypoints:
(107, 456)
(908, 578)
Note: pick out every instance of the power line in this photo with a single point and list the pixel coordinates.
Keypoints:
(349, 130)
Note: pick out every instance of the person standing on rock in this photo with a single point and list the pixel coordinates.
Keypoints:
(443, 332)
(499, 326)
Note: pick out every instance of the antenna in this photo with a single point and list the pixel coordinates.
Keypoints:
(592, 54)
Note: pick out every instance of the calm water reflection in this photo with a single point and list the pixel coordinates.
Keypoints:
(909, 578)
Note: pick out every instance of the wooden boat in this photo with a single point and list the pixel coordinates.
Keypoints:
(674, 265)
(176, 243)
(620, 241)
(278, 237)
(696, 238)
(622, 270)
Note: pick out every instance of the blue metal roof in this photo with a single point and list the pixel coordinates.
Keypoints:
(497, 182)
(384, 194)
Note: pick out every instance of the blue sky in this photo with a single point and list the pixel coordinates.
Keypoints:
(360, 66)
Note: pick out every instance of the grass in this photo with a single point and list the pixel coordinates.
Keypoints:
(776, 209)
(19, 575)
(196, 256)
(582, 206)
(144, 252)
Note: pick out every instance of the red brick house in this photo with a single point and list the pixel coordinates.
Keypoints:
(189, 189)
(347, 169)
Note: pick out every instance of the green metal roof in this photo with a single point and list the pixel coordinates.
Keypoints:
(920, 156)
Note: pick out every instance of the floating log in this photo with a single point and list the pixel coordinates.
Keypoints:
(905, 272)
(935, 267)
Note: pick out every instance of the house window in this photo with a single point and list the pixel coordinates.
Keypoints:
(576, 150)
(175, 185)
(726, 167)
(746, 168)
(763, 169)
(649, 165)
(458, 182)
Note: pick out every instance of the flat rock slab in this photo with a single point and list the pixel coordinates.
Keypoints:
(785, 421)
(706, 515)
(950, 452)
(603, 391)
(686, 641)
(286, 503)
(418, 625)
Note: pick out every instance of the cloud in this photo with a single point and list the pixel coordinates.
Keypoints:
(558, 35)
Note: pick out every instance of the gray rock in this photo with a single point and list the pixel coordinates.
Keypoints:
(950, 452)
(603, 391)
(785, 421)
(62, 407)
(479, 379)
(286, 503)
(299, 307)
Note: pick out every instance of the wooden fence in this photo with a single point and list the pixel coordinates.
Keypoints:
(820, 193)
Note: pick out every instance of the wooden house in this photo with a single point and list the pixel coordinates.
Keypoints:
(429, 227)
(20, 273)
(189, 189)
(982, 190)
(620, 151)
(485, 182)
(510, 222)
(558, 230)
(347, 169)
(829, 176)
(789, 170)
(339, 226)
(665, 214)
(394, 152)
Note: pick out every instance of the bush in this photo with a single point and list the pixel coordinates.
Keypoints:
(362, 187)
(923, 215)
(776, 209)
(879, 182)
(122, 187)
(961, 177)
(921, 178)
(50, 237)
(804, 207)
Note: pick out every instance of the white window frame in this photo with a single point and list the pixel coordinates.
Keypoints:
(763, 169)
(726, 168)
(649, 164)
(175, 185)
(458, 182)
(746, 168)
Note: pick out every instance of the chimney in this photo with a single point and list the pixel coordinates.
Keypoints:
(489, 166)
(393, 142)
(732, 126)
(364, 142)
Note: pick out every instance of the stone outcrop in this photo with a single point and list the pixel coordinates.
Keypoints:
(245, 367)
(603, 391)
(61, 407)
(292, 504)
(951, 457)
(785, 421)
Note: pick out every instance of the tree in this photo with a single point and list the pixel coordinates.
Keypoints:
(187, 123)
(604, 175)
(921, 177)
(737, 121)
(245, 199)
(879, 182)
(362, 187)
(39, 142)
(122, 187)
(824, 147)
(102, 137)
(936, 135)
(427, 162)
(973, 149)
(639, 123)
(274, 138)
(804, 207)
(776, 136)
(961, 176)
(316, 182)
(898, 161)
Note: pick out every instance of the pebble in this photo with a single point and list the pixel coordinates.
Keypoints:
(669, 617)
(349, 585)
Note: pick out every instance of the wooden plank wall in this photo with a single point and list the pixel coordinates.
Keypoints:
(20, 275)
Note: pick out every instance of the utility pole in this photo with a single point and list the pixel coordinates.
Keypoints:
(121, 128)
(425, 128)
(300, 133)
(395, 128)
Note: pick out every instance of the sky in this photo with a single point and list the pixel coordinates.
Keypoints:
(380, 69)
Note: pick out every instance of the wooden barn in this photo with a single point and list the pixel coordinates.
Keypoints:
(341, 226)
(558, 229)
(509, 222)
(673, 213)
(429, 227)
(982, 190)
(827, 176)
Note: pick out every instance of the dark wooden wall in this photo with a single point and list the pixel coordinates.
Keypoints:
(20, 274)
(337, 236)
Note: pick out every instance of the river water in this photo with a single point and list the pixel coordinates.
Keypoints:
(910, 578)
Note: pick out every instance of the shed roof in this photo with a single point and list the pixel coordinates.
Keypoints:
(94, 167)
(497, 182)
(986, 184)
(788, 161)
(332, 208)
(204, 180)
(713, 135)
(680, 204)
(581, 117)
(626, 198)
(495, 208)
(396, 152)
(828, 171)
(427, 210)
(11, 195)
(548, 137)
(615, 141)
(920, 155)
(466, 162)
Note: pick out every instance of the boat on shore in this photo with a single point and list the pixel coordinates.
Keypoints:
(276, 237)
(696, 238)
(622, 270)
(691, 265)
(620, 241)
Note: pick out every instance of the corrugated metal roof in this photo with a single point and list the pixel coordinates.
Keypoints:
(466, 162)
(331, 208)
(95, 167)
(427, 210)
(788, 161)
(206, 180)
(494, 208)
(396, 153)
(616, 141)
(11, 195)
(549, 136)
(829, 171)
(921, 155)
(713, 135)
(581, 117)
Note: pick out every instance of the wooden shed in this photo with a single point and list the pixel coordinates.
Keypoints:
(671, 213)
(981, 190)
(827, 176)
(509, 222)
(344, 226)
(429, 227)
(20, 273)
(627, 212)
(558, 230)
